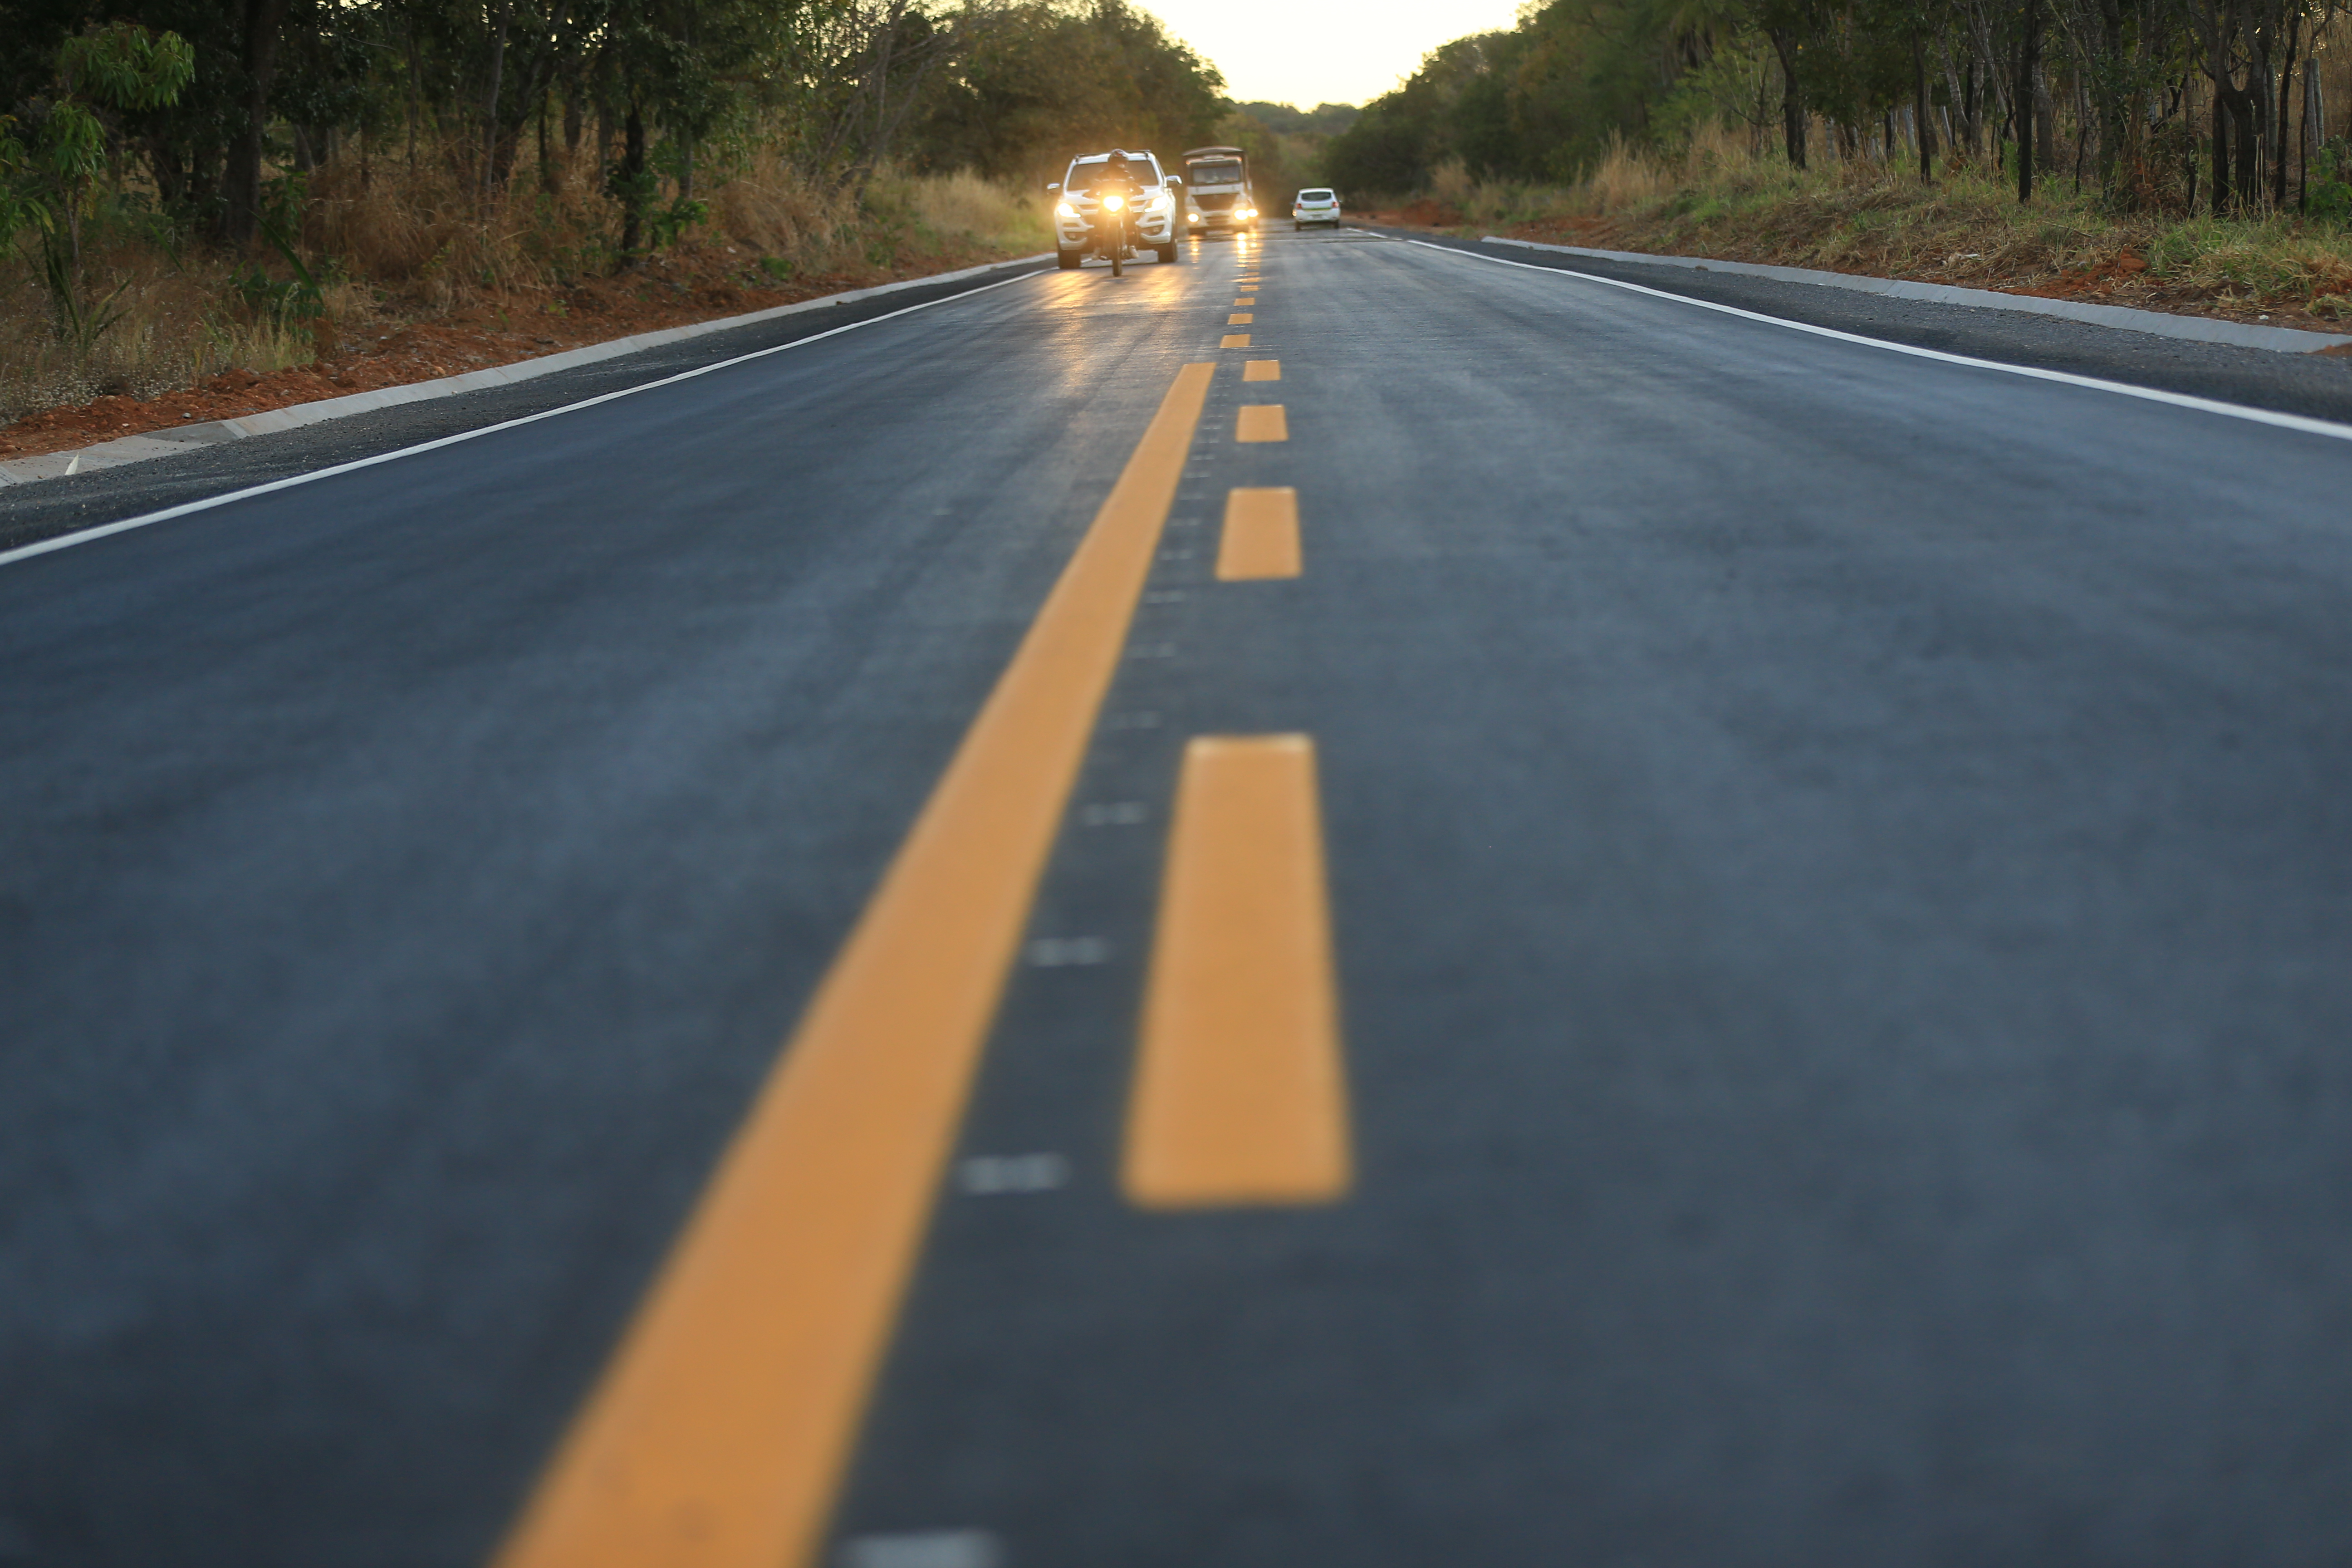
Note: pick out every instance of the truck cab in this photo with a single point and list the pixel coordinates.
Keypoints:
(1217, 191)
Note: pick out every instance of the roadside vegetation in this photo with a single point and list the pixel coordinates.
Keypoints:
(195, 196)
(2182, 155)
(1717, 196)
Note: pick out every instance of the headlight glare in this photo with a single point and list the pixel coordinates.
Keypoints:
(1112, 204)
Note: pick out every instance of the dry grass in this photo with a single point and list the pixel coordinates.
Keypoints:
(1719, 197)
(394, 243)
(982, 212)
(177, 326)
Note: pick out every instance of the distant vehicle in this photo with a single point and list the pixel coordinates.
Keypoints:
(1086, 224)
(1216, 191)
(1314, 207)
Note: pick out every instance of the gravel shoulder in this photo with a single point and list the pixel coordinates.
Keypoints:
(2317, 387)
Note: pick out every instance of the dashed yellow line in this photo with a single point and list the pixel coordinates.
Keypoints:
(1234, 341)
(1240, 1093)
(1261, 422)
(1261, 535)
(1244, 300)
(1262, 370)
(718, 1434)
(1241, 319)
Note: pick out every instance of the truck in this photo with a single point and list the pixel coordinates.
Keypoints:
(1216, 191)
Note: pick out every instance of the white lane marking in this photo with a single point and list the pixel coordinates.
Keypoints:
(928, 1549)
(1068, 951)
(2147, 394)
(25, 551)
(987, 1175)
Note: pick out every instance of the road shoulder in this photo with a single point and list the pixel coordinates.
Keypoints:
(48, 509)
(2317, 387)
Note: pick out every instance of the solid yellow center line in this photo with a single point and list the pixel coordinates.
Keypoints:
(1240, 1092)
(1234, 341)
(1261, 535)
(1261, 422)
(1262, 370)
(720, 1431)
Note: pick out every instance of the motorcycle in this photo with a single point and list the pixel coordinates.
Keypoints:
(1111, 232)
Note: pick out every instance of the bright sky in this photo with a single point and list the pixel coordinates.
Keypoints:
(1322, 51)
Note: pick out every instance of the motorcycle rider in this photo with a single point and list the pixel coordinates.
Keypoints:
(1114, 227)
(1119, 178)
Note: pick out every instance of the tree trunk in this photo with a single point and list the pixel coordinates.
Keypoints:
(490, 99)
(1792, 101)
(2045, 125)
(172, 181)
(2253, 172)
(2312, 132)
(2108, 100)
(2220, 152)
(241, 182)
(415, 92)
(2029, 71)
(525, 97)
(1922, 126)
(2245, 109)
(2082, 130)
(1971, 111)
(631, 176)
(2285, 95)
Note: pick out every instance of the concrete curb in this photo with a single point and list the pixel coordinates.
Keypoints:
(2199, 329)
(165, 443)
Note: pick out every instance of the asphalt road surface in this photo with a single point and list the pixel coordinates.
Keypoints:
(1833, 865)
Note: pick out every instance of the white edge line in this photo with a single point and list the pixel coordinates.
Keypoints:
(2309, 426)
(64, 541)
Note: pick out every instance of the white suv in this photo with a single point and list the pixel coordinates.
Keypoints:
(1153, 225)
(1314, 207)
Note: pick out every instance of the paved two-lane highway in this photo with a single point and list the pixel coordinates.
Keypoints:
(1790, 1002)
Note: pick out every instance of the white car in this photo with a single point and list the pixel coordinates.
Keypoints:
(1314, 207)
(1153, 226)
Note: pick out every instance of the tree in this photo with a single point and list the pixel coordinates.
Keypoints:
(259, 36)
(1026, 85)
(107, 71)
